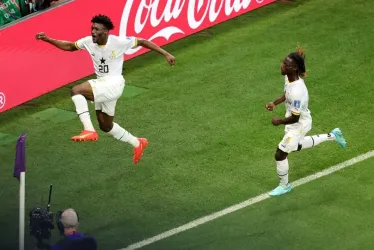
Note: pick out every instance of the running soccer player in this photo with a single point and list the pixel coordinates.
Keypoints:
(107, 53)
(297, 121)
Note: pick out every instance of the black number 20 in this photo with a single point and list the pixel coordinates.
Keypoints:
(103, 68)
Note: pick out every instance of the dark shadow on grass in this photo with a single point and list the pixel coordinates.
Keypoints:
(9, 229)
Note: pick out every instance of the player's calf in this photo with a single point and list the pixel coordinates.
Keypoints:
(81, 108)
(282, 167)
(314, 140)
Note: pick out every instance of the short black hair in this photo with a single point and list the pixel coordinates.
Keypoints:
(299, 58)
(104, 20)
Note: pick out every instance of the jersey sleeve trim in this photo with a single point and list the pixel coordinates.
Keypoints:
(76, 45)
(136, 43)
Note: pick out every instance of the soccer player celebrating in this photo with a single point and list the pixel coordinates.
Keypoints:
(107, 53)
(297, 121)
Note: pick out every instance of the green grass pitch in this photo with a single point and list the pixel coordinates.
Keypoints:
(211, 142)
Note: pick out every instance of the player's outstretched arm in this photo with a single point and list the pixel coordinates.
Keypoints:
(152, 46)
(63, 45)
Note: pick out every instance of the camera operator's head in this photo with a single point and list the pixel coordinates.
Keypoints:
(68, 222)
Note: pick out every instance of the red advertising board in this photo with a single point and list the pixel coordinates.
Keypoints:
(30, 68)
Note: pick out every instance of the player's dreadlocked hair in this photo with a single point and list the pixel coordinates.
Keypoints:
(299, 58)
(104, 20)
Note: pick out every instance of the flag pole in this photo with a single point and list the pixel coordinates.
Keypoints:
(20, 174)
(22, 211)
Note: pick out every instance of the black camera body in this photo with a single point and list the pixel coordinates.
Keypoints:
(41, 223)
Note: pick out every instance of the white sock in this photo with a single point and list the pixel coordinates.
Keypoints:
(81, 107)
(121, 134)
(314, 140)
(282, 170)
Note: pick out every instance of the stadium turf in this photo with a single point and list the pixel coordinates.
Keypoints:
(211, 142)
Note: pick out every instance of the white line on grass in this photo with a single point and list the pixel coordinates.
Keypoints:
(248, 202)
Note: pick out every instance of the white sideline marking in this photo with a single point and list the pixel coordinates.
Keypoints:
(248, 202)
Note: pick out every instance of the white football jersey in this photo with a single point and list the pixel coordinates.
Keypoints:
(107, 59)
(297, 99)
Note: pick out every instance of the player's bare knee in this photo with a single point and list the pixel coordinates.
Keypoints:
(280, 155)
(75, 91)
(105, 127)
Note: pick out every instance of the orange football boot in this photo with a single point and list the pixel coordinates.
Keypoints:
(138, 152)
(86, 136)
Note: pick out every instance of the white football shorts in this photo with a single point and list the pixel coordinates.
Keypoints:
(106, 92)
(293, 136)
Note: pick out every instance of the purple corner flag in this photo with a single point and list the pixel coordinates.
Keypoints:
(20, 160)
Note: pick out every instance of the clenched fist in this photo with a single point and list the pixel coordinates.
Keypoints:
(270, 106)
(41, 36)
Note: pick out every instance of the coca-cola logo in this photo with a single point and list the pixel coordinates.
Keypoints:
(151, 19)
(2, 100)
